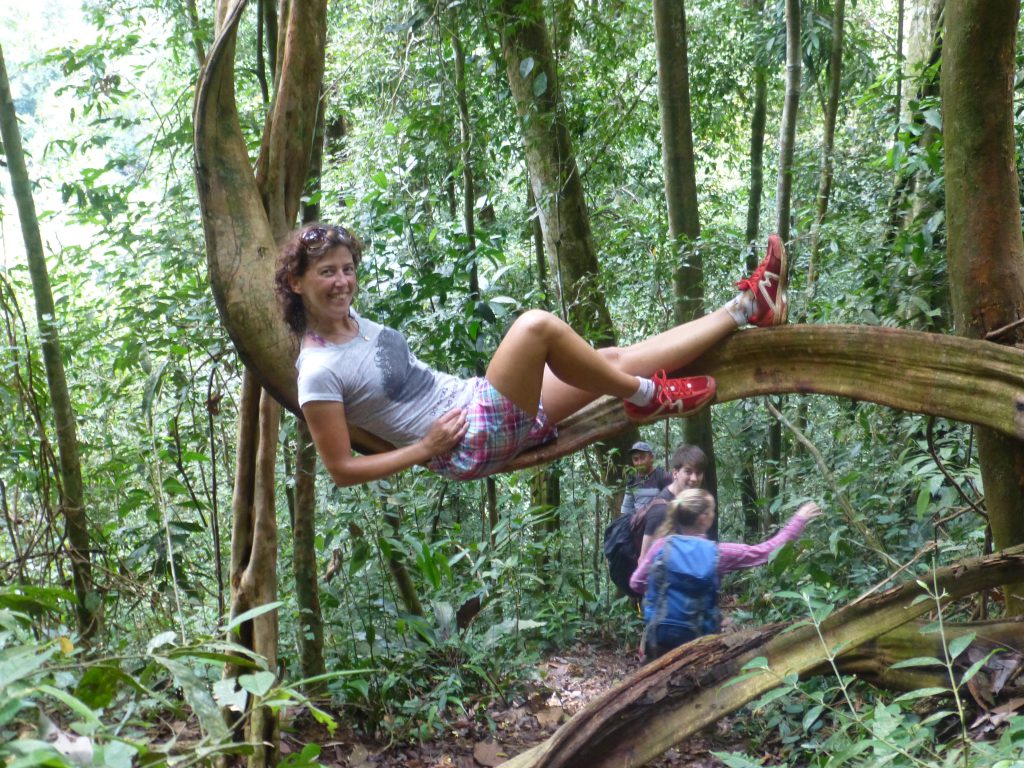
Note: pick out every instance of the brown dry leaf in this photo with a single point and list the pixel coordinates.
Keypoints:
(488, 753)
(551, 716)
(359, 757)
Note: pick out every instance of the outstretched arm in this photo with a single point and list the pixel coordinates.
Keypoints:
(327, 425)
(733, 556)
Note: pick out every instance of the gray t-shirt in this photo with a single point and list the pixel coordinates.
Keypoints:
(385, 389)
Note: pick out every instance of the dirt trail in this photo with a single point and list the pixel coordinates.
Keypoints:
(567, 682)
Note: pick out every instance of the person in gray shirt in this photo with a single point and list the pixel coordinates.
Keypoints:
(647, 479)
(353, 371)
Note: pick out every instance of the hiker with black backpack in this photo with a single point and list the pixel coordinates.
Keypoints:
(626, 538)
(681, 572)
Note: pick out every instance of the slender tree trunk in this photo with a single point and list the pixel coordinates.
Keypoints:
(307, 588)
(72, 493)
(304, 562)
(923, 41)
(828, 141)
(396, 564)
(261, 209)
(554, 176)
(986, 250)
(787, 129)
(759, 116)
(469, 220)
(681, 196)
(783, 199)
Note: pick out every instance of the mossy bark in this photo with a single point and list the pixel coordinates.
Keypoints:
(986, 250)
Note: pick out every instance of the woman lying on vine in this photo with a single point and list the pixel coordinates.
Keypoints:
(353, 371)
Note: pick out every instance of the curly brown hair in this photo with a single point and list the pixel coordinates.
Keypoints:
(298, 251)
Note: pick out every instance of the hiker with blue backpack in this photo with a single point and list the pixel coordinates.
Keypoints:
(681, 572)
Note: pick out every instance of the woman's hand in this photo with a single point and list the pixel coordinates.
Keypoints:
(809, 510)
(445, 433)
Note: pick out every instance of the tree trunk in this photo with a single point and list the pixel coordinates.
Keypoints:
(907, 202)
(72, 493)
(827, 142)
(787, 129)
(985, 247)
(783, 199)
(555, 179)
(700, 682)
(681, 197)
(307, 589)
(304, 564)
(554, 176)
(469, 220)
(242, 217)
(396, 562)
(759, 115)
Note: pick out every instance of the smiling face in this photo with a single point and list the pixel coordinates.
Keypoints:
(686, 477)
(328, 287)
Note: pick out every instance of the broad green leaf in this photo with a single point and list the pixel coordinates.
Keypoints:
(973, 670)
(90, 722)
(921, 693)
(919, 661)
(19, 662)
(770, 696)
(960, 644)
(257, 683)
(198, 697)
(252, 613)
(324, 718)
(116, 754)
(101, 682)
(811, 716)
(229, 694)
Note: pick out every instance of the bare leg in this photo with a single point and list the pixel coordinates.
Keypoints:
(542, 355)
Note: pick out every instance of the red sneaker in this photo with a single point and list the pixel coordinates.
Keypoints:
(768, 284)
(673, 397)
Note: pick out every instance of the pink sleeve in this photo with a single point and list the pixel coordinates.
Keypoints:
(638, 581)
(733, 556)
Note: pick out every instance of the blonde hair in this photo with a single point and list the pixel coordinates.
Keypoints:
(684, 510)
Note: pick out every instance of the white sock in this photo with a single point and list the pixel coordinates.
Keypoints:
(644, 393)
(740, 308)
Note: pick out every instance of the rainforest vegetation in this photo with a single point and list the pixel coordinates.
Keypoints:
(180, 580)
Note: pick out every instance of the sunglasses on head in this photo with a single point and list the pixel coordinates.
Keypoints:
(318, 237)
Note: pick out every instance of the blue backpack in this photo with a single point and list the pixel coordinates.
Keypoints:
(682, 589)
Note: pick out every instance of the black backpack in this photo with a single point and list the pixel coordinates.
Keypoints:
(622, 540)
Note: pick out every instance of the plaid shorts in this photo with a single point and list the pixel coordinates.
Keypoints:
(499, 430)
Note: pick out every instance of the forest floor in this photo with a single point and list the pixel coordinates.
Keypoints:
(567, 682)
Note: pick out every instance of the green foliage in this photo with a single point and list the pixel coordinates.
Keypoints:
(843, 722)
(154, 379)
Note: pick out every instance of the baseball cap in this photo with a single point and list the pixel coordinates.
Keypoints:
(641, 446)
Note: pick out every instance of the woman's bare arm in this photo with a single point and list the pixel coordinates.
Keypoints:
(327, 425)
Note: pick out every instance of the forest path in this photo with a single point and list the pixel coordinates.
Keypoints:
(567, 682)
